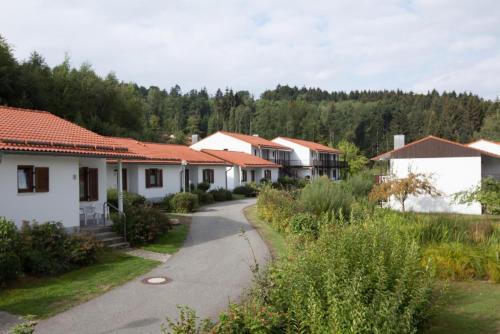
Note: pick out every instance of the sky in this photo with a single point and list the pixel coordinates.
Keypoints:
(255, 45)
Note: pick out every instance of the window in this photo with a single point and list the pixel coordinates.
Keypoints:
(32, 179)
(89, 184)
(208, 175)
(243, 176)
(267, 174)
(252, 175)
(154, 178)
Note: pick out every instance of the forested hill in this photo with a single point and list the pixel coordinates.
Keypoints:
(367, 118)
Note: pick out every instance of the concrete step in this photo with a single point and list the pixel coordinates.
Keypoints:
(112, 240)
(119, 245)
(97, 229)
(105, 235)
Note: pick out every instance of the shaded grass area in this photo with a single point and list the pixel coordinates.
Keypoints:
(468, 308)
(44, 297)
(170, 242)
(274, 240)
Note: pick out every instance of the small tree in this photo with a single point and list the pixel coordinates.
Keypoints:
(356, 160)
(412, 185)
(487, 193)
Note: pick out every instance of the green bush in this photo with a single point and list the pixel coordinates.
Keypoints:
(48, 250)
(276, 207)
(10, 249)
(353, 279)
(203, 186)
(204, 197)
(359, 185)
(166, 203)
(221, 194)
(144, 224)
(184, 202)
(129, 199)
(288, 182)
(245, 190)
(305, 224)
(324, 196)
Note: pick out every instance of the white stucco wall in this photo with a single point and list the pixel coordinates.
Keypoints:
(61, 203)
(450, 175)
(299, 153)
(220, 141)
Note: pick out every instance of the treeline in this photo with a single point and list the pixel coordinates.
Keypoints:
(367, 118)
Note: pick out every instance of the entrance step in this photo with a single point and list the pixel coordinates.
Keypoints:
(107, 236)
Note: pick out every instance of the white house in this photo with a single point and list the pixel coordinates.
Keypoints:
(254, 145)
(168, 169)
(309, 159)
(245, 168)
(453, 167)
(52, 169)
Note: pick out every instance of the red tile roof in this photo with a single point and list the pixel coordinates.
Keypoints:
(41, 131)
(256, 141)
(167, 153)
(437, 145)
(244, 160)
(312, 145)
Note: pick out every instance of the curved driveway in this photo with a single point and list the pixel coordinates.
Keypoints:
(211, 269)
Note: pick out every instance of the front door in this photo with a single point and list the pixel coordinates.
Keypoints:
(186, 180)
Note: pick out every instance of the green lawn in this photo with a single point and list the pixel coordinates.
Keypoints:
(171, 241)
(468, 308)
(274, 240)
(44, 297)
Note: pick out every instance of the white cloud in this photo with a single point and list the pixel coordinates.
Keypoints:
(254, 45)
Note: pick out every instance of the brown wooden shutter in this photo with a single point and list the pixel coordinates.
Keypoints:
(212, 176)
(148, 173)
(160, 178)
(93, 184)
(41, 179)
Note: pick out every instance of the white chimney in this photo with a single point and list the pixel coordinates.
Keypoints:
(399, 141)
(194, 139)
(255, 135)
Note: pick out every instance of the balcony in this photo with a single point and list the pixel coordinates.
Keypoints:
(329, 163)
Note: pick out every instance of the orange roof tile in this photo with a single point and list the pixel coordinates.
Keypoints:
(312, 145)
(41, 131)
(167, 153)
(256, 141)
(241, 159)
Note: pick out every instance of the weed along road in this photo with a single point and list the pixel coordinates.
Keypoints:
(213, 267)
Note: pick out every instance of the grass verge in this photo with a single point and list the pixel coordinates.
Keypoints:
(44, 297)
(467, 308)
(274, 240)
(170, 242)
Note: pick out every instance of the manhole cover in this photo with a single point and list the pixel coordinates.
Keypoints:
(156, 280)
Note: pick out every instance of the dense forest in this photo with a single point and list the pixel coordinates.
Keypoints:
(368, 118)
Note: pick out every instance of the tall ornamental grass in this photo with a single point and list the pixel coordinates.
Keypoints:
(324, 196)
(354, 279)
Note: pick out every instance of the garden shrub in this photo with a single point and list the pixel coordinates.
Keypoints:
(276, 207)
(203, 186)
(324, 196)
(184, 202)
(144, 224)
(204, 197)
(359, 185)
(245, 190)
(48, 250)
(166, 203)
(288, 182)
(305, 224)
(129, 199)
(221, 194)
(10, 249)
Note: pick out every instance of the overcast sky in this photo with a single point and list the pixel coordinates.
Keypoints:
(255, 45)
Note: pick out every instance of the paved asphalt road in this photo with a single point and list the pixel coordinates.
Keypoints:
(212, 268)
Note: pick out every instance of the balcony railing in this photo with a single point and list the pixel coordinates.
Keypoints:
(315, 163)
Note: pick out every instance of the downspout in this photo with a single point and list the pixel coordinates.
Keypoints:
(120, 186)
(227, 170)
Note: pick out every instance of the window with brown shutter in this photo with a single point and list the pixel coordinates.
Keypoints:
(208, 176)
(41, 179)
(24, 179)
(154, 178)
(32, 179)
(243, 176)
(267, 174)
